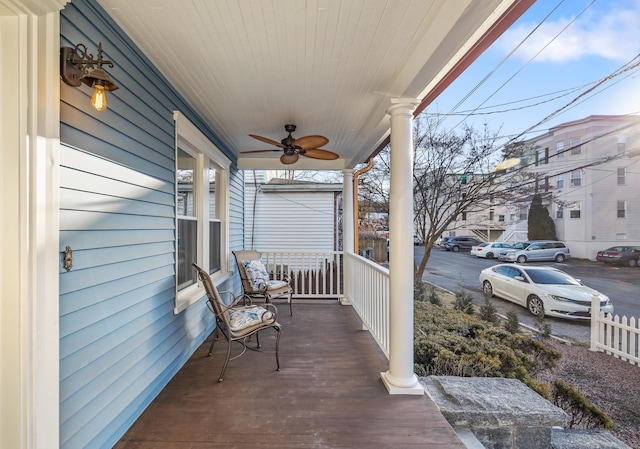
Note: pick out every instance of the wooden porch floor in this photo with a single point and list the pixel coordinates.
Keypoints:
(328, 394)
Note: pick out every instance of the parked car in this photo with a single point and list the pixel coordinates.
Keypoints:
(488, 250)
(443, 241)
(536, 250)
(543, 290)
(416, 240)
(623, 255)
(456, 244)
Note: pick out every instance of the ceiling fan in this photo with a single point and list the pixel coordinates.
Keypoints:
(307, 146)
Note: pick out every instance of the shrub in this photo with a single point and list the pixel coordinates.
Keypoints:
(463, 302)
(453, 343)
(512, 325)
(543, 327)
(580, 411)
(488, 311)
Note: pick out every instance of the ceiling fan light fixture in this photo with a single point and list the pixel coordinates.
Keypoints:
(287, 159)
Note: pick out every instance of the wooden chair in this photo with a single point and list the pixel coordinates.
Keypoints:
(256, 282)
(237, 323)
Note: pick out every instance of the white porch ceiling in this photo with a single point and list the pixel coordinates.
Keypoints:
(328, 66)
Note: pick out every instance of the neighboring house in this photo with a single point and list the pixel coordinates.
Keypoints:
(589, 178)
(287, 215)
(485, 218)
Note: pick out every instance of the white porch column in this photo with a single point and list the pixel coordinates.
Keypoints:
(29, 229)
(400, 378)
(348, 231)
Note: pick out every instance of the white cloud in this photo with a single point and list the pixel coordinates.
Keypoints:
(610, 34)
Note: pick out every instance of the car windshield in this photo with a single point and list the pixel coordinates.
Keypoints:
(521, 245)
(555, 277)
(482, 244)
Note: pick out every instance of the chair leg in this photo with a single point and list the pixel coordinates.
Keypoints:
(291, 303)
(278, 348)
(226, 361)
(215, 337)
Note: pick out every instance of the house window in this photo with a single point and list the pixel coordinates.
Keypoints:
(560, 182)
(622, 176)
(501, 218)
(464, 215)
(491, 215)
(575, 143)
(202, 184)
(575, 210)
(559, 211)
(560, 149)
(622, 143)
(576, 178)
(622, 209)
(187, 246)
(542, 156)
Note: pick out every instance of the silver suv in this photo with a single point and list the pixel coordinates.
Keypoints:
(536, 250)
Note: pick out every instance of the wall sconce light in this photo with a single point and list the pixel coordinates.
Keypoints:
(77, 66)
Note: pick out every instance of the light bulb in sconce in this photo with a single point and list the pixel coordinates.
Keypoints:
(99, 98)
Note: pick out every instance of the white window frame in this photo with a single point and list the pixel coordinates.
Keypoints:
(192, 141)
(560, 182)
(621, 207)
(560, 149)
(622, 176)
(559, 211)
(575, 143)
(576, 206)
(574, 178)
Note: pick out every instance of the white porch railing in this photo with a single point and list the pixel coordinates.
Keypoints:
(313, 274)
(321, 274)
(369, 294)
(614, 335)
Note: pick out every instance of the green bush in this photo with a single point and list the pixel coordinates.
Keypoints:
(580, 411)
(453, 343)
(463, 302)
(512, 325)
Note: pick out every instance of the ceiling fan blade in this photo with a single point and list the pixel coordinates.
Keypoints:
(267, 140)
(310, 142)
(289, 159)
(260, 151)
(320, 154)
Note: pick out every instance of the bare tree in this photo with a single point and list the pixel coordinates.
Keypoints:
(454, 173)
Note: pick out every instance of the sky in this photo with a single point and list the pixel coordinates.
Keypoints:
(563, 60)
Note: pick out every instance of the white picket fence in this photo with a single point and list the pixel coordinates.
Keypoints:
(614, 335)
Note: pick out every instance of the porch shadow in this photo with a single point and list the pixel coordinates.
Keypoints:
(328, 394)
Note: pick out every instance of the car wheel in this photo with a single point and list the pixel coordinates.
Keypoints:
(521, 259)
(487, 288)
(560, 258)
(455, 248)
(633, 263)
(535, 306)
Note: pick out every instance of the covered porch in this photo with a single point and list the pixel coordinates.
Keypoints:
(327, 394)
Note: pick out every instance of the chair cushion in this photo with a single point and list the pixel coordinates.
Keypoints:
(256, 273)
(240, 319)
(275, 285)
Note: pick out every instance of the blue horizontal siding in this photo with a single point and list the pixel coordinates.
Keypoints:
(120, 341)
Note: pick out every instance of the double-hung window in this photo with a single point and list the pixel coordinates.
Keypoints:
(201, 211)
(575, 143)
(576, 178)
(622, 209)
(576, 210)
(622, 176)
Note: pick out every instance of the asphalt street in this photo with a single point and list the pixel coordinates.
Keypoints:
(456, 271)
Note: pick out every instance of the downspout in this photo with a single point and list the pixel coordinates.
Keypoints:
(356, 174)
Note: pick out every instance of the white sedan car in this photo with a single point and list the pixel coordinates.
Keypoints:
(489, 250)
(542, 290)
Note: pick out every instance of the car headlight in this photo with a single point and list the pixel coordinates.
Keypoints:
(560, 298)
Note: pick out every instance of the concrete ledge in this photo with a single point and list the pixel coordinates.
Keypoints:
(501, 413)
(576, 438)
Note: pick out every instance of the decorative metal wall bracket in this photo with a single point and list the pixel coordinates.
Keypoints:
(68, 258)
(78, 66)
